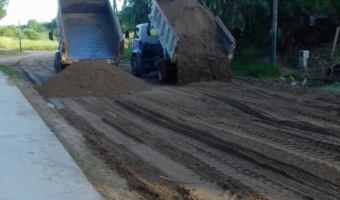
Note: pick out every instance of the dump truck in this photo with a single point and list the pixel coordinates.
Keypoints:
(149, 55)
(87, 30)
(155, 45)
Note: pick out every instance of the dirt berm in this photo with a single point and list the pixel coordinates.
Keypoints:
(91, 78)
(200, 55)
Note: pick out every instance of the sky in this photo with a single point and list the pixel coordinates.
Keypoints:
(40, 10)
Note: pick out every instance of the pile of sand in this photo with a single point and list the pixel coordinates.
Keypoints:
(92, 78)
(200, 51)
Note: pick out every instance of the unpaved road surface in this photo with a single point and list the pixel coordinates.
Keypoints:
(38, 66)
(239, 140)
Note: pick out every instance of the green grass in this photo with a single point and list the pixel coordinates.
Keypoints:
(127, 49)
(30, 45)
(255, 69)
(7, 70)
(127, 55)
(251, 62)
(327, 87)
(334, 85)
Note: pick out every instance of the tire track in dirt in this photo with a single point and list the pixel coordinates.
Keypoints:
(164, 122)
(255, 112)
(199, 150)
(200, 189)
(328, 152)
(133, 127)
(317, 102)
(331, 142)
(294, 109)
(246, 109)
(219, 165)
(320, 112)
(235, 138)
(269, 133)
(224, 164)
(318, 162)
(128, 119)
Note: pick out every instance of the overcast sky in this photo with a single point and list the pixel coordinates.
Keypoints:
(24, 10)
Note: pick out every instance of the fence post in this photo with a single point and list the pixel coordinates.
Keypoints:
(20, 46)
(335, 42)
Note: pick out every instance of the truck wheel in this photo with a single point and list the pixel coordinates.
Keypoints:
(57, 62)
(163, 73)
(136, 65)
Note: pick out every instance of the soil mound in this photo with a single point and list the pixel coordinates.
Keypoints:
(91, 78)
(200, 55)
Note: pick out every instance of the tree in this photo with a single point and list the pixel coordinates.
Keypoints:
(35, 25)
(3, 4)
(51, 27)
(134, 12)
(248, 20)
(296, 32)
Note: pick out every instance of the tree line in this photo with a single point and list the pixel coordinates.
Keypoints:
(3, 4)
(33, 30)
(301, 23)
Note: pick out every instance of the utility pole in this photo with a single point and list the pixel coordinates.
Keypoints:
(274, 33)
(20, 46)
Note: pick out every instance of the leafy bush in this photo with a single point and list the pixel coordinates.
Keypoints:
(127, 54)
(30, 34)
(9, 31)
(35, 25)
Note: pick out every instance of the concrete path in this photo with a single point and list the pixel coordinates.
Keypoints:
(33, 163)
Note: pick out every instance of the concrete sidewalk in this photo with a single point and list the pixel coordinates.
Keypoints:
(33, 163)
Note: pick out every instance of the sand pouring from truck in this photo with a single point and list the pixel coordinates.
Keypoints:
(87, 30)
(163, 46)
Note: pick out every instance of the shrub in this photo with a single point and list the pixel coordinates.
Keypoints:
(30, 34)
(9, 31)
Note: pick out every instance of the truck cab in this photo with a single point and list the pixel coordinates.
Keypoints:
(146, 50)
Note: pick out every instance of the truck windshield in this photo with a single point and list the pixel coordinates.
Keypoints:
(152, 32)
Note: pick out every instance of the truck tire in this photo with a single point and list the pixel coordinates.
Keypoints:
(58, 66)
(57, 62)
(136, 65)
(163, 73)
(167, 72)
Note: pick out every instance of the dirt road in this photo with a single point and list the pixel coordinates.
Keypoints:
(239, 140)
(38, 66)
